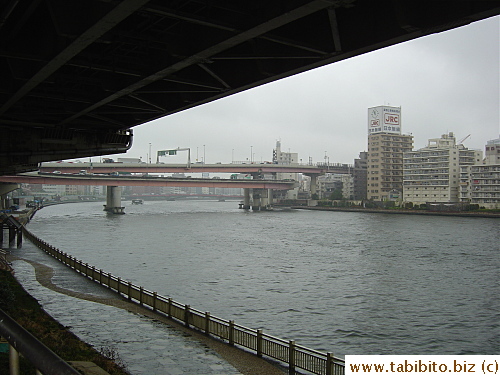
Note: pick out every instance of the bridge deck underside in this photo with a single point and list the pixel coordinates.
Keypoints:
(125, 181)
(73, 73)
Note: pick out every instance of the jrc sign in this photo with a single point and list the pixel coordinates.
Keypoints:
(384, 119)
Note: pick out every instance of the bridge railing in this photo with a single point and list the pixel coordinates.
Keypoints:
(295, 356)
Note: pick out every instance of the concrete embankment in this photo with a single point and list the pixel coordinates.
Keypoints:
(402, 211)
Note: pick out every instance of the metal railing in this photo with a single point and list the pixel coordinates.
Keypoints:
(295, 356)
(21, 341)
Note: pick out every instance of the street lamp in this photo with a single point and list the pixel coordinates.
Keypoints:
(204, 156)
(251, 151)
(149, 152)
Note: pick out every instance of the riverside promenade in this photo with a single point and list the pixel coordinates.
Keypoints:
(145, 342)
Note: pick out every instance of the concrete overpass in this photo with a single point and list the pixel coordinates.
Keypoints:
(258, 194)
(76, 76)
(251, 168)
(92, 180)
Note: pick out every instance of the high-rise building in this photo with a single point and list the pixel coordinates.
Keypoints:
(359, 174)
(432, 174)
(386, 145)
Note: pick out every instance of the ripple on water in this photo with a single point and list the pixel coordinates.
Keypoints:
(349, 283)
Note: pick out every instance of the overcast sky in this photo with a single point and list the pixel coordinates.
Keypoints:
(446, 82)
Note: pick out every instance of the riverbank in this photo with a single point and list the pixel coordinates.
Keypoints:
(26, 311)
(401, 211)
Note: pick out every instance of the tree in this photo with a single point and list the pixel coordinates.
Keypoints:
(336, 195)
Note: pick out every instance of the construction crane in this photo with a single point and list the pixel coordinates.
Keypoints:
(462, 140)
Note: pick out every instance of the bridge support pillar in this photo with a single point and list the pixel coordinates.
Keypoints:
(314, 194)
(246, 198)
(256, 202)
(266, 199)
(114, 200)
(4, 190)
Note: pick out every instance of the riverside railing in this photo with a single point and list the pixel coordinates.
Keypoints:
(21, 341)
(295, 356)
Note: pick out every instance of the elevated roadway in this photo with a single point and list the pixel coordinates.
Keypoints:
(76, 76)
(102, 180)
(193, 168)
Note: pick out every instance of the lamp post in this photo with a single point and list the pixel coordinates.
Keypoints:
(251, 153)
(149, 152)
(204, 156)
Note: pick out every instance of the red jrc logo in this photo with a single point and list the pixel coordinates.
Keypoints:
(374, 123)
(391, 119)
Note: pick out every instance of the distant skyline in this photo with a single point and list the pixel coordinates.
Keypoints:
(446, 82)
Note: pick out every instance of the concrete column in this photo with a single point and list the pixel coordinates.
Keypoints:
(256, 204)
(314, 184)
(314, 179)
(246, 198)
(114, 200)
(264, 199)
(4, 190)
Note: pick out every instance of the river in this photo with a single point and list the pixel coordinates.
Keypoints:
(343, 282)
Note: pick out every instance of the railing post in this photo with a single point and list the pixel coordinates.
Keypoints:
(329, 362)
(154, 301)
(207, 323)
(13, 361)
(100, 276)
(291, 357)
(119, 281)
(141, 291)
(169, 308)
(231, 332)
(186, 315)
(129, 291)
(259, 343)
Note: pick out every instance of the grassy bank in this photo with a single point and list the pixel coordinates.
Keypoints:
(27, 312)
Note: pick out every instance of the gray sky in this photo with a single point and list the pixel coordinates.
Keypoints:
(446, 82)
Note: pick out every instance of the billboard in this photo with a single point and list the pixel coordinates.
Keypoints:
(384, 119)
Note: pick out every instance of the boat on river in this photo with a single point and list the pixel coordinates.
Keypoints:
(137, 201)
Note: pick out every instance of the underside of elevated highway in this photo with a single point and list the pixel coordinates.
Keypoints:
(77, 75)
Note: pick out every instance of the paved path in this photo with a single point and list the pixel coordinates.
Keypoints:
(146, 342)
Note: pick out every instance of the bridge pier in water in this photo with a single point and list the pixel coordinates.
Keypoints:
(114, 200)
(257, 199)
(246, 199)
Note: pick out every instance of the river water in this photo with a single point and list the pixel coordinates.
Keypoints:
(343, 282)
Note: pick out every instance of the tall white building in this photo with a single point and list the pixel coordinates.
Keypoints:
(386, 144)
(432, 174)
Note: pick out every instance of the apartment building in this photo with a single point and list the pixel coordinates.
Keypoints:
(480, 183)
(386, 146)
(359, 174)
(432, 173)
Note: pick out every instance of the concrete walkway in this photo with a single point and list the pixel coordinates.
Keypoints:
(146, 342)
